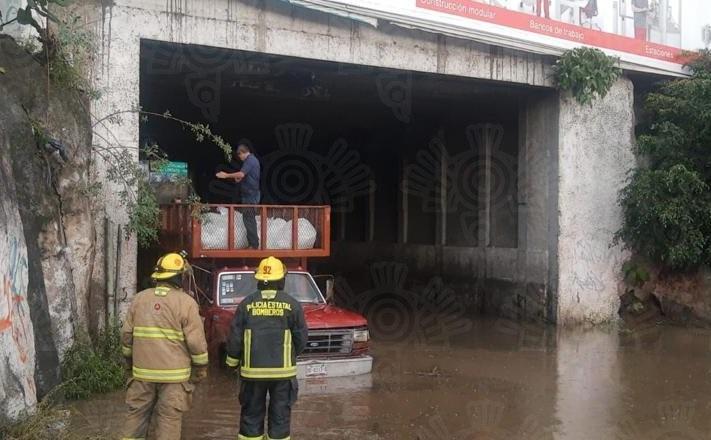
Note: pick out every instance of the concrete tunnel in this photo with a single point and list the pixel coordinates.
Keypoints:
(439, 195)
(457, 172)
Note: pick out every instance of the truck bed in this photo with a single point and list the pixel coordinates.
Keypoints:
(285, 231)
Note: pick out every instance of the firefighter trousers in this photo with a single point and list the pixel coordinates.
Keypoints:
(164, 402)
(253, 399)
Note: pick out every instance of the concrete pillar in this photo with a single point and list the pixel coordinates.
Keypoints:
(595, 153)
(117, 79)
(538, 192)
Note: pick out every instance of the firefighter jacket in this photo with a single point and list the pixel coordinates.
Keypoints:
(164, 335)
(267, 333)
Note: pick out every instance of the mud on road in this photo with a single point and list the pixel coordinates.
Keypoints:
(501, 380)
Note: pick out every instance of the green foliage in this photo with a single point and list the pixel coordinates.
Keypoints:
(66, 51)
(134, 193)
(667, 216)
(587, 73)
(144, 215)
(700, 63)
(635, 273)
(201, 132)
(97, 367)
(667, 204)
(70, 50)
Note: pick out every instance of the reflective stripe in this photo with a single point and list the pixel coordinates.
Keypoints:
(232, 362)
(161, 291)
(179, 375)
(268, 373)
(285, 438)
(199, 359)
(247, 347)
(244, 437)
(268, 294)
(158, 333)
(126, 351)
(287, 348)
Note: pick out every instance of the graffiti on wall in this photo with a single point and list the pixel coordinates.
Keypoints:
(17, 348)
(13, 299)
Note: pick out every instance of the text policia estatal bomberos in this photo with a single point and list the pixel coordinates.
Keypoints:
(268, 308)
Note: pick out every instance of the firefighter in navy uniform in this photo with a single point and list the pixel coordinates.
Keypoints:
(267, 333)
(164, 344)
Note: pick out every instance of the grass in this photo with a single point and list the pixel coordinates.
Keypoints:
(93, 368)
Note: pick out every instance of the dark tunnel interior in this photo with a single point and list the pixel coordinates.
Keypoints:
(397, 154)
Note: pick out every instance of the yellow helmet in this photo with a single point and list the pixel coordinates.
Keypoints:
(270, 269)
(169, 265)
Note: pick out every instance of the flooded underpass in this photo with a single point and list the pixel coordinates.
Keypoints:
(501, 380)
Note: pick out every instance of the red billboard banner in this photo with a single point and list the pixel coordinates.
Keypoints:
(552, 28)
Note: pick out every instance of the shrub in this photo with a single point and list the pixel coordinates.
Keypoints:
(587, 73)
(667, 216)
(666, 204)
(94, 368)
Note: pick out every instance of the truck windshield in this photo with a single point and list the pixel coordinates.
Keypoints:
(235, 286)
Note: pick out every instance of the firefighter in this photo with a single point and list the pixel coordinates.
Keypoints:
(267, 333)
(164, 344)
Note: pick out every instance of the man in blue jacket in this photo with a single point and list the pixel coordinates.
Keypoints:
(248, 177)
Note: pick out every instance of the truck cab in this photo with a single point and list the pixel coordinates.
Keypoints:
(338, 340)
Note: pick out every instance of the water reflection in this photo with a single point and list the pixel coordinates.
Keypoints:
(498, 382)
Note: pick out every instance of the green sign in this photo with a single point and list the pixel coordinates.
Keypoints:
(173, 169)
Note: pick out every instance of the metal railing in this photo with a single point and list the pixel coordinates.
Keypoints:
(220, 231)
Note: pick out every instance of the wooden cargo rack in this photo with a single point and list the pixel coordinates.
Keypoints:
(285, 231)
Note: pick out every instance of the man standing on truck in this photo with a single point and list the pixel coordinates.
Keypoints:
(162, 337)
(248, 177)
(267, 333)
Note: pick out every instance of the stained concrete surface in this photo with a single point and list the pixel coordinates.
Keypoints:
(503, 380)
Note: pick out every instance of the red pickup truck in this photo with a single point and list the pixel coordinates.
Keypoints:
(224, 272)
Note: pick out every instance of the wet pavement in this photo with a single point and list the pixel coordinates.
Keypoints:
(499, 380)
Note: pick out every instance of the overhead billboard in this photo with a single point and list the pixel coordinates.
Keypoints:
(648, 35)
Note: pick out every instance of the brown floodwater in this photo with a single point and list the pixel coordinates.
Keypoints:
(497, 380)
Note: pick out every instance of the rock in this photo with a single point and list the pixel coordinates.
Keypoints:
(47, 232)
(17, 345)
(677, 312)
(631, 304)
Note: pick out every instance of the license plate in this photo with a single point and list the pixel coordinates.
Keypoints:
(316, 370)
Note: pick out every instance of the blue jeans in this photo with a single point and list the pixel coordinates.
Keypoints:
(250, 221)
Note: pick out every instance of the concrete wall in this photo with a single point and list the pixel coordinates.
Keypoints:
(595, 153)
(276, 28)
(587, 171)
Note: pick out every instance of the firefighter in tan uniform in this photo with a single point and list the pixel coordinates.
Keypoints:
(164, 341)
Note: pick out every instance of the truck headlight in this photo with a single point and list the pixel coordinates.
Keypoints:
(361, 335)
